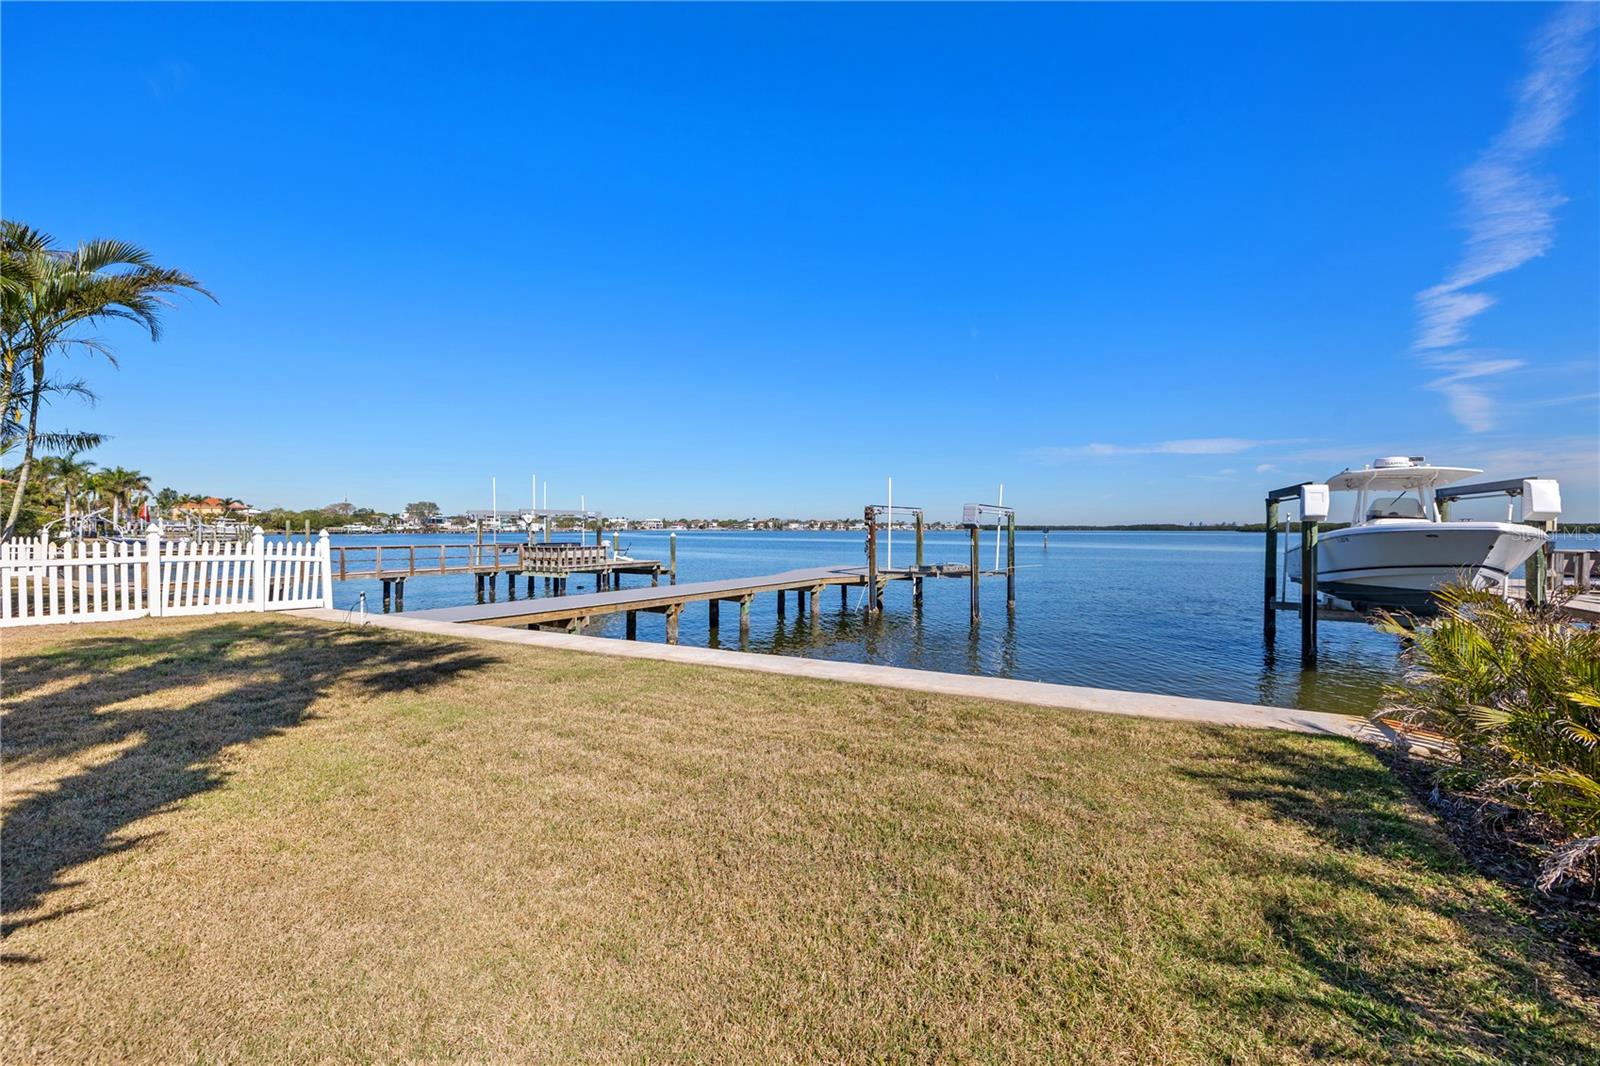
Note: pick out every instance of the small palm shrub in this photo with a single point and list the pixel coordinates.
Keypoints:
(1517, 692)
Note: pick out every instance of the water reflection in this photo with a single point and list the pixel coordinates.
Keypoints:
(1175, 613)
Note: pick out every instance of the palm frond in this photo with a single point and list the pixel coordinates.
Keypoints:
(66, 442)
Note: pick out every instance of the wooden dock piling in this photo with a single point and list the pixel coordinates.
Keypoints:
(974, 570)
(1308, 594)
(1269, 614)
(871, 515)
(1536, 571)
(1011, 563)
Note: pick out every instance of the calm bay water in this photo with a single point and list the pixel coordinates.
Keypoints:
(1175, 613)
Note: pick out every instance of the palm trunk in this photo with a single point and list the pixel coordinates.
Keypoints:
(35, 395)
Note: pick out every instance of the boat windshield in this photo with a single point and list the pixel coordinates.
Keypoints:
(1401, 506)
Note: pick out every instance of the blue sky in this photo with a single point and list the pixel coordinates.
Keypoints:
(1137, 262)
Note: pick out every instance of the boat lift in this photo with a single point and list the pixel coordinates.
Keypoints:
(972, 517)
(878, 516)
(1312, 500)
(1541, 506)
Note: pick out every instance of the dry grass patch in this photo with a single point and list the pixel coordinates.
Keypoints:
(275, 839)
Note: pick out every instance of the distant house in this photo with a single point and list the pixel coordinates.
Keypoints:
(211, 507)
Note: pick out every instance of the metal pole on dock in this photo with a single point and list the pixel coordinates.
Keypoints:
(672, 555)
(1001, 502)
(919, 540)
(888, 559)
(871, 514)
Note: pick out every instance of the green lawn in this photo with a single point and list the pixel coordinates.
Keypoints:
(269, 839)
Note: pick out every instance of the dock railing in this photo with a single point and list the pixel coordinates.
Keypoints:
(354, 562)
(1572, 570)
(561, 559)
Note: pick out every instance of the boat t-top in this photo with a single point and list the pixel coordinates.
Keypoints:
(1399, 547)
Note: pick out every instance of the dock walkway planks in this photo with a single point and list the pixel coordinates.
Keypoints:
(551, 609)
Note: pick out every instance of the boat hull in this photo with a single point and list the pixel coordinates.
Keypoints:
(1399, 564)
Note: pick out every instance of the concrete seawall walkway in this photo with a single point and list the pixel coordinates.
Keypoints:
(1036, 693)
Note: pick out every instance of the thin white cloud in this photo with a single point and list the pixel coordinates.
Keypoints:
(1576, 460)
(1469, 403)
(1509, 214)
(1265, 468)
(1187, 446)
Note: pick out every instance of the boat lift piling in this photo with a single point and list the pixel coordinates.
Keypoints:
(1313, 502)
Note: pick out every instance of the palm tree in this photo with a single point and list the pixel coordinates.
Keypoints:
(123, 485)
(75, 479)
(64, 481)
(46, 296)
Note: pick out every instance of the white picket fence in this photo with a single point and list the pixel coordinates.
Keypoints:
(23, 549)
(99, 581)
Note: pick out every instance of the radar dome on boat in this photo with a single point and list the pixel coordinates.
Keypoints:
(1396, 462)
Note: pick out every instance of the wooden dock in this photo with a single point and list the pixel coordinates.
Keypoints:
(572, 613)
(554, 564)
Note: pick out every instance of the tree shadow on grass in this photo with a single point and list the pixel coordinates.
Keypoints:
(1347, 913)
(145, 719)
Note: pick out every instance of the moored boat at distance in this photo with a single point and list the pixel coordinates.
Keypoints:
(1399, 548)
